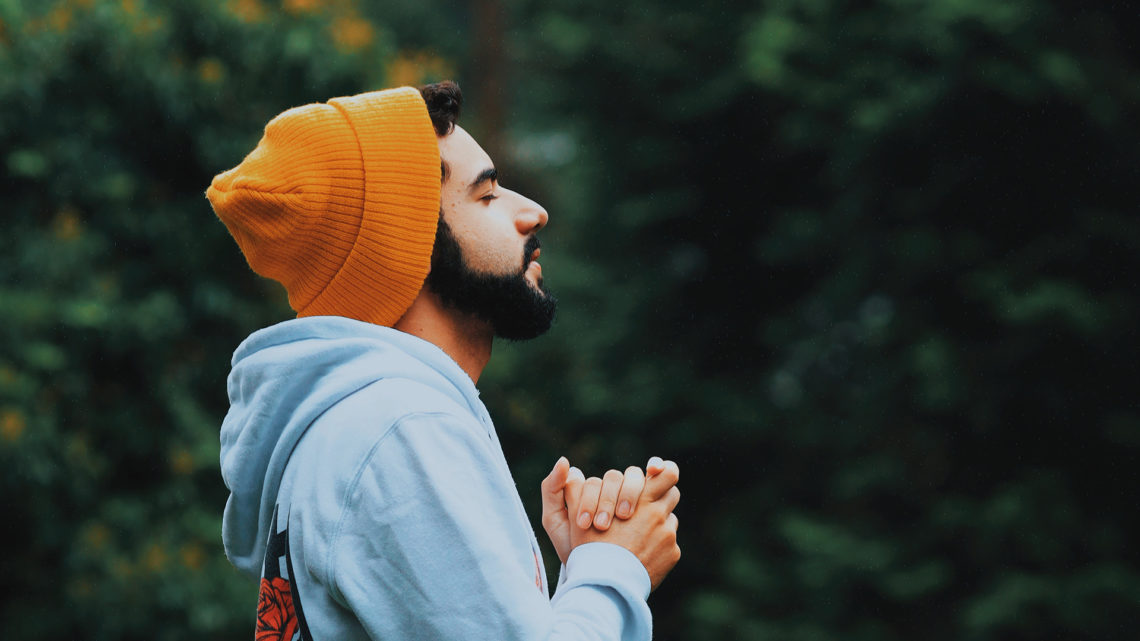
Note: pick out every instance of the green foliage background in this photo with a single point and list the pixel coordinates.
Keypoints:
(866, 270)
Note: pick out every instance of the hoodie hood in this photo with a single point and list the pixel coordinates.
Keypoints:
(283, 377)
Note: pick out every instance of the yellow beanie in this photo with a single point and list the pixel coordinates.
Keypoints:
(339, 202)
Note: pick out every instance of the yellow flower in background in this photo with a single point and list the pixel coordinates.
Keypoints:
(97, 536)
(60, 18)
(67, 225)
(154, 558)
(351, 33)
(57, 20)
(211, 70)
(147, 26)
(301, 6)
(181, 461)
(417, 67)
(193, 556)
(12, 425)
(247, 10)
(402, 71)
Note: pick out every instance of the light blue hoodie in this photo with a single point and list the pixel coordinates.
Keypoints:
(369, 493)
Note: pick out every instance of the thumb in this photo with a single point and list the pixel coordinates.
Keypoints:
(655, 466)
(575, 481)
(666, 476)
(553, 484)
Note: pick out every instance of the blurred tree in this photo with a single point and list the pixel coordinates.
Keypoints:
(865, 269)
(123, 296)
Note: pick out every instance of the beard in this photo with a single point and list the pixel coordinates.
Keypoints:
(513, 308)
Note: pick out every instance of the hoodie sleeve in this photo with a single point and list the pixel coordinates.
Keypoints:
(428, 546)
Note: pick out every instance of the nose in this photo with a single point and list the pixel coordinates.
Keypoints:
(530, 216)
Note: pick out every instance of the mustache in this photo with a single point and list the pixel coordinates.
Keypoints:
(532, 244)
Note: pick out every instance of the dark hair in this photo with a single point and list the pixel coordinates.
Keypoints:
(444, 100)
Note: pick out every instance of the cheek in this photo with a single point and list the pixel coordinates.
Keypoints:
(489, 247)
(486, 254)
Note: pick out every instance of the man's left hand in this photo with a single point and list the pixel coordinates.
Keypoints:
(599, 501)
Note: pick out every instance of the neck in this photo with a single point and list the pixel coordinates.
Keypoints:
(466, 339)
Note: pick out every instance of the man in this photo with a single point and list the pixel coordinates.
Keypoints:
(368, 488)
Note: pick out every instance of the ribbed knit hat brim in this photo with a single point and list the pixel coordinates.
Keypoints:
(339, 202)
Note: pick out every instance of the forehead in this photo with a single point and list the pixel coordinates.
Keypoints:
(464, 157)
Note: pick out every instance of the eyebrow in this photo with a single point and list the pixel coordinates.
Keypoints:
(487, 174)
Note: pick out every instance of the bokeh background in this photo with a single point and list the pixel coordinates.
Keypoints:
(866, 270)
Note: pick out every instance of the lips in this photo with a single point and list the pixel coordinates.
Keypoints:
(534, 265)
(531, 266)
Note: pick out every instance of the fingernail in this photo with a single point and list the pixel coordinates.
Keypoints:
(655, 461)
(584, 520)
(577, 472)
(603, 519)
(623, 509)
(557, 463)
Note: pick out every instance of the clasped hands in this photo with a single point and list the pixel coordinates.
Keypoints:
(633, 510)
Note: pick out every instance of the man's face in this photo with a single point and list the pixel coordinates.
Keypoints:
(484, 262)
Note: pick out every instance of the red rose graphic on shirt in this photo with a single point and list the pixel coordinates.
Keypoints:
(276, 620)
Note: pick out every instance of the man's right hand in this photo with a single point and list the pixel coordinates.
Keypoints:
(650, 533)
